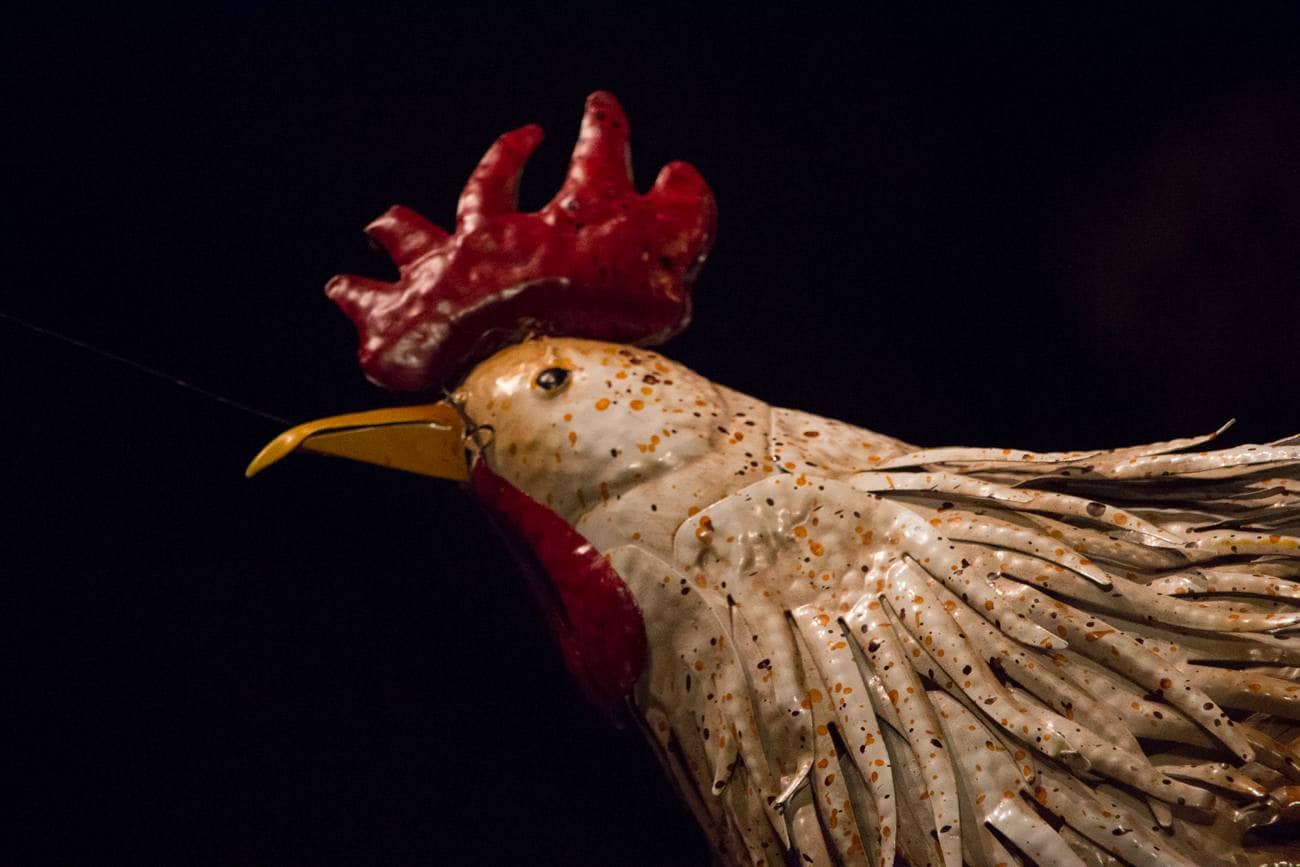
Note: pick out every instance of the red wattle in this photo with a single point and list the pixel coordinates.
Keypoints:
(591, 612)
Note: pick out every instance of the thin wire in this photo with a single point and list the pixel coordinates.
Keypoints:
(143, 368)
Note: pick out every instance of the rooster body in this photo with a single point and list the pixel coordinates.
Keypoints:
(844, 649)
(858, 649)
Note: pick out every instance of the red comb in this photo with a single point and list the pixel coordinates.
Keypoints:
(599, 260)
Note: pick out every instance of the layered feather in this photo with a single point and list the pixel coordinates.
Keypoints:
(985, 656)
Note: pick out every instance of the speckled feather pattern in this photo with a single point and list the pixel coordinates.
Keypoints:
(860, 650)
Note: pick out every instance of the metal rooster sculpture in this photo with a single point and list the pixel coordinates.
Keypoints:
(845, 649)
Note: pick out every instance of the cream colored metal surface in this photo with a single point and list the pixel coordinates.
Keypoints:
(957, 655)
(806, 582)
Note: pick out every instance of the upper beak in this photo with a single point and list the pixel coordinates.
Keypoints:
(427, 439)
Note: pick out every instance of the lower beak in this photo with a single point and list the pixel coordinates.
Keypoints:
(427, 439)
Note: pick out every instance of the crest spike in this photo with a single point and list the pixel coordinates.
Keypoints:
(493, 189)
(404, 235)
(600, 169)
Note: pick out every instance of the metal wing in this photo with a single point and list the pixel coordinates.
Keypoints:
(985, 656)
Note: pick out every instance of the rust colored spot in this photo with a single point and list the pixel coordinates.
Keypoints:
(637, 405)
(705, 528)
(602, 404)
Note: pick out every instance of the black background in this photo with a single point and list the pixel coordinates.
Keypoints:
(1042, 231)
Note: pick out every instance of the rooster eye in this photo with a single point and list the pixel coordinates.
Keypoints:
(552, 379)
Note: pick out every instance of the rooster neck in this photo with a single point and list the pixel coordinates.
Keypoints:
(748, 441)
(589, 609)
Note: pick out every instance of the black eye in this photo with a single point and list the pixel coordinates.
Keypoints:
(552, 379)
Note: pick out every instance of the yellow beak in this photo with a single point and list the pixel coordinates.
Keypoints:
(427, 439)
